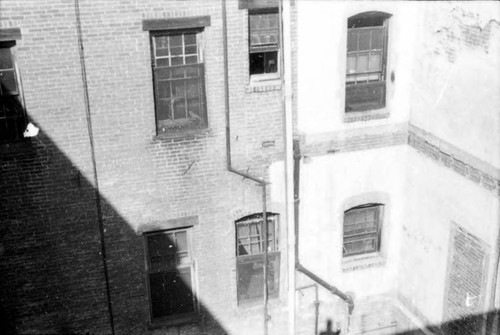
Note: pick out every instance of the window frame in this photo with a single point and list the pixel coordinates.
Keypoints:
(176, 317)
(273, 255)
(180, 125)
(258, 77)
(20, 116)
(376, 236)
(376, 88)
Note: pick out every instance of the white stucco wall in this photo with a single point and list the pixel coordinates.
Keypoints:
(456, 91)
(321, 60)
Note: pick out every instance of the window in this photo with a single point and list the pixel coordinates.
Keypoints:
(170, 273)
(362, 227)
(366, 61)
(250, 261)
(179, 82)
(263, 42)
(12, 115)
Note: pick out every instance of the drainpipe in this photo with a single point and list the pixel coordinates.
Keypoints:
(299, 267)
(229, 167)
(97, 194)
(285, 13)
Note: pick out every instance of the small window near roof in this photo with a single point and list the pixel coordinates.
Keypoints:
(170, 273)
(12, 114)
(249, 257)
(362, 228)
(366, 61)
(263, 43)
(179, 80)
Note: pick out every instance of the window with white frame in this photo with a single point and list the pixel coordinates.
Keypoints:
(250, 260)
(366, 61)
(264, 43)
(362, 229)
(170, 273)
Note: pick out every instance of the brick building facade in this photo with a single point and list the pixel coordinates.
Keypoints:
(162, 134)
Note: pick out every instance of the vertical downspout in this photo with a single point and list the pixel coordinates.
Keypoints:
(97, 194)
(286, 103)
(261, 182)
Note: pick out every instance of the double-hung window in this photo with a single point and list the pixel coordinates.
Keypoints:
(170, 273)
(12, 114)
(362, 229)
(263, 30)
(179, 80)
(366, 61)
(250, 260)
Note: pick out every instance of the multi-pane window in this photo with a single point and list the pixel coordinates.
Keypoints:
(170, 273)
(264, 42)
(362, 227)
(366, 61)
(12, 115)
(250, 260)
(178, 71)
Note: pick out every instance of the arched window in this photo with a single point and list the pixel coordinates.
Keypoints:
(362, 229)
(250, 260)
(366, 61)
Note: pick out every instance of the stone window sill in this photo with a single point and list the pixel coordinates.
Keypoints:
(361, 262)
(183, 134)
(366, 115)
(269, 85)
(174, 320)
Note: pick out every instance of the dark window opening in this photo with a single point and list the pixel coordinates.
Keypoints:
(12, 114)
(169, 267)
(263, 42)
(366, 61)
(179, 81)
(362, 228)
(250, 261)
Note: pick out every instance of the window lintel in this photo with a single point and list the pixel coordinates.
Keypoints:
(176, 23)
(10, 34)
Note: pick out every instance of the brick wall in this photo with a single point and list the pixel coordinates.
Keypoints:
(145, 181)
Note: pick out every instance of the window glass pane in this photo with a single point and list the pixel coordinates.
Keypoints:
(181, 241)
(264, 29)
(377, 38)
(352, 40)
(176, 51)
(5, 59)
(351, 64)
(179, 88)
(362, 65)
(364, 39)
(177, 61)
(190, 39)
(8, 82)
(162, 62)
(171, 293)
(257, 64)
(161, 251)
(190, 49)
(194, 109)
(161, 42)
(164, 109)
(163, 89)
(251, 277)
(271, 62)
(179, 109)
(375, 59)
(175, 40)
(161, 52)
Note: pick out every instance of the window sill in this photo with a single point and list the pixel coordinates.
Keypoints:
(183, 134)
(174, 320)
(366, 115)
(267, 85)
(362, 262)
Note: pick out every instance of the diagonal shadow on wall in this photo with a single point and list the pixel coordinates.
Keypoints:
(51, 263)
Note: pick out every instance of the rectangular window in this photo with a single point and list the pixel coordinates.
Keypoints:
(362, 229)
(263, 29)
(250, 261)
(366, 62)
(179, 81)
(170, 273)
(12, 114)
